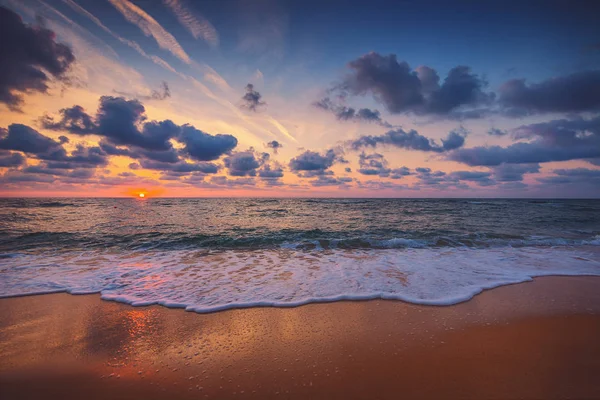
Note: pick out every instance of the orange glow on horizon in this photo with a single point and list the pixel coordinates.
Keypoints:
(143, 193)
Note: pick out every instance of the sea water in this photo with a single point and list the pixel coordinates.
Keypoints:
(212, 254)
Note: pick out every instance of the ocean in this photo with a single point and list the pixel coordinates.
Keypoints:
(207, 255)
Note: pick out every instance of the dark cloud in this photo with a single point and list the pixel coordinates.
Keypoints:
(275, 145)
(202, 146)
(74, 120)
(428, 177)
(119, 121)
(480, 178)
(373, 164)
(81, 157)
(10, 160)
(125, 131)
(270, 172)
(224, 181)
(398, 173)
(376, 185)
(376, 164)
(23, 177)
(557, 140)
(442, 180)
(404, 90)
(62, 172)
(252, 99)
(343, 113)
(513, 172)
(30, 59)
(243, 163)
(311, 163)
(20, 137)
(180, 168)
(331, 181)
(577, 92)
(411, 140)
(497, 132)
(348, 169)
(55, 160)
(113, 150)
(579, 176)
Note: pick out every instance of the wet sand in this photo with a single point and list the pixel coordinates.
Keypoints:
(533, 340)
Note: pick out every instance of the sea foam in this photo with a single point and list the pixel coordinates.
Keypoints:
(207, 281)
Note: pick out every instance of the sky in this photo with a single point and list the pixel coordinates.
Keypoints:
(299, 98)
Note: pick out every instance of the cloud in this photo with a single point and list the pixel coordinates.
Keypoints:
(252, 99)
(576, 92)
(580, 176)
(322, 180)
(53, 155)
(373, 164)
(311, 163)
(497, 132)
(269, 172)
(275, 145)
(73, 120)
(343, 113)
(398, 173)
(411, 140)
(162, 94)
(195, 23)
(404, 90)
(179, 168)
(10, 159)
(151, 28)
(556, 140)
(134, 45)
(224, 181)
(20, 137)
(30, 59)
(480, 178)
(123, 122)
(244, 163)
(513, 172)
(202, 146)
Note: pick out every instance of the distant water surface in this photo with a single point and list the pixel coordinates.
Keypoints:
(212, 254)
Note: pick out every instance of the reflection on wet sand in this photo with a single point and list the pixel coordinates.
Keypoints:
(79, 346)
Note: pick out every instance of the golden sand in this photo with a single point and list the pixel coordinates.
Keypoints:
(537, 340)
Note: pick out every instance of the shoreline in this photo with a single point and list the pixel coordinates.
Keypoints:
(533, 339)
(339, 299)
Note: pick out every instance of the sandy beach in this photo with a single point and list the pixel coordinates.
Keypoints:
(533, 340)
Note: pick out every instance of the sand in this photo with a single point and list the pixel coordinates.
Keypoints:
(533, 340)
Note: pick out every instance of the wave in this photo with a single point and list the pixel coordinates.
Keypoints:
(255, 239)
(206, 281)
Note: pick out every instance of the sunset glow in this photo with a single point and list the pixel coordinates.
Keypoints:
(201, 106)
(345, 197)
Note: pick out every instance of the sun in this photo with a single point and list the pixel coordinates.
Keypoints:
(142, 195)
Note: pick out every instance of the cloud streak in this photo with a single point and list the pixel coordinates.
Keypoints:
(151, 28)
(195, 23)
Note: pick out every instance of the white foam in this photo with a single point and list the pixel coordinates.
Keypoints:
(206, 282)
